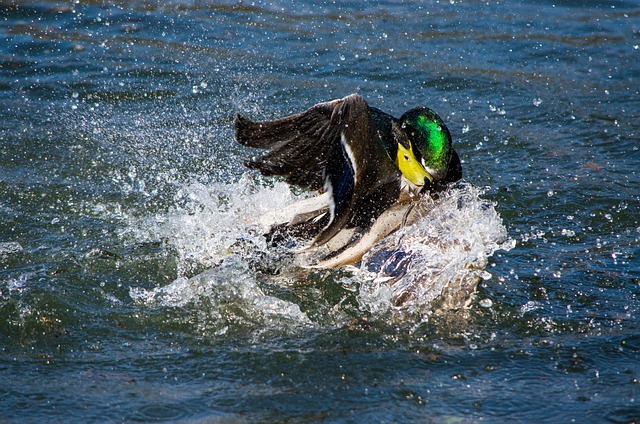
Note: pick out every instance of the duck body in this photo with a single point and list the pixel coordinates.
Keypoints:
(366, 166)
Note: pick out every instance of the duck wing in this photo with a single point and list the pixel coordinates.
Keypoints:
(327, 147)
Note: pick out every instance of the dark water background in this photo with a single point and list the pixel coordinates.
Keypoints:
(109, 110)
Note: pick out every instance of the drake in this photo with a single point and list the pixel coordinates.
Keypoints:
(367, 168)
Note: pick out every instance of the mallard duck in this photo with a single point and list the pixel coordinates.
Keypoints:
(366, 167)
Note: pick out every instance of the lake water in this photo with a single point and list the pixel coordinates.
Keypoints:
(134, 283)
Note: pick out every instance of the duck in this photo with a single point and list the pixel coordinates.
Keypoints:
(365, 169)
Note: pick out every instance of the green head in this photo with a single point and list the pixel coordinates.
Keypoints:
(424, 150)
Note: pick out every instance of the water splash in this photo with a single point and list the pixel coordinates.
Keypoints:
(208, 222)
(434, 264)
(224, 297)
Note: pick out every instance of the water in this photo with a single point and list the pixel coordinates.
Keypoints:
(134, 282)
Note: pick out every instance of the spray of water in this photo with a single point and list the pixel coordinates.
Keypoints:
(214, 227)
(431, 265)
(435, 264)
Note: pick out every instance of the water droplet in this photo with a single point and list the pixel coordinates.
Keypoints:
(537, 101)
(486, 303)
(550, 193)
(530, 306)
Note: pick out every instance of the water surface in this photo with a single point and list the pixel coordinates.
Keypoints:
(128, 285)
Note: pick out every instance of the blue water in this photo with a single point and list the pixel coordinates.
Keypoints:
(133, 286)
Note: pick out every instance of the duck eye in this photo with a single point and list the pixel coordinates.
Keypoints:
(406, 157)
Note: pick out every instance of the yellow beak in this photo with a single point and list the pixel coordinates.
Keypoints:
(410, 167)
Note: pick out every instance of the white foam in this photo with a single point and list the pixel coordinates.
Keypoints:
(211, 221)
(434, 263)
(9, 247)
(223, 296)
(437, 261)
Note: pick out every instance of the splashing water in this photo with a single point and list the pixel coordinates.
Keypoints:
(227, 295)
(211, 221)
(436, 263)
(433, 264)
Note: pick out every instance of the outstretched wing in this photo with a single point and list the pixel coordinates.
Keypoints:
(298, 145)
(325, 147)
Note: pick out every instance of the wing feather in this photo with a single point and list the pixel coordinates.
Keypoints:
(325, 148)
(298, 144)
